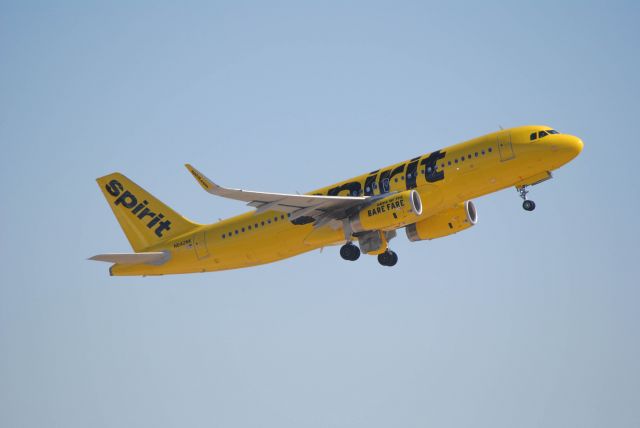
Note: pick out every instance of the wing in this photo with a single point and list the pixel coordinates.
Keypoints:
(303, 209)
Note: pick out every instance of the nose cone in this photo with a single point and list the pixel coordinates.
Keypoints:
(575, 145)
(570, 146)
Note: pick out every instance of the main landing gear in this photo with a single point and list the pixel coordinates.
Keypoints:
(352, 253)
(528, 204)
(388, 258)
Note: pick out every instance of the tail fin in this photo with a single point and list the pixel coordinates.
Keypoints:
(144, 219)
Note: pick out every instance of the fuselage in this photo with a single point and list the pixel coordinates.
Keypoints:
(444, 178)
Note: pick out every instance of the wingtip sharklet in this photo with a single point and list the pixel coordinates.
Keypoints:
(202, 179)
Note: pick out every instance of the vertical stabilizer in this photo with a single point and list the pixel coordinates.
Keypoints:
(145, 220)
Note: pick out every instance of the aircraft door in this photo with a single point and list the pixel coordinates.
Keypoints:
(505, 147)
(200, 245)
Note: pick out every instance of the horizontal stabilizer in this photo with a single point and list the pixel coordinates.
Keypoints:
(152, 258)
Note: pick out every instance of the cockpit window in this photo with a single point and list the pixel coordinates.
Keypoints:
(535, 135)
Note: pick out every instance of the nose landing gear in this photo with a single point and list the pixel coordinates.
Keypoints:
(528, 204)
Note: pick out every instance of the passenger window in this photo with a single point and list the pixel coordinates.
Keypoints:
(532, 136)
(385, 185)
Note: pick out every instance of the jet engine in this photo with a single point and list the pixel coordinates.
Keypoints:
(448, 222)
(388, 213)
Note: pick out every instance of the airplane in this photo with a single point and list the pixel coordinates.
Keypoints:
(429, 196)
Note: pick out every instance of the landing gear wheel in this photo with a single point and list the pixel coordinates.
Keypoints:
(383, 258)
(394, 258)
(388, 258)
(527, 204)
(350, 252)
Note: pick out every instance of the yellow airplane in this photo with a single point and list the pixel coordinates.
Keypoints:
(428, 195)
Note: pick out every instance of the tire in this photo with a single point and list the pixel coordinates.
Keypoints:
(355, 253)
(388, 258)
(393, 258)
(344, 252)
(529, 205)
(350, 252)
(383, 259)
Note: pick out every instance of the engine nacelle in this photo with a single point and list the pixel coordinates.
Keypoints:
(448, 222)
(388, 213)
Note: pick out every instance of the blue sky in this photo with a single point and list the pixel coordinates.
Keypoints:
(527, 319)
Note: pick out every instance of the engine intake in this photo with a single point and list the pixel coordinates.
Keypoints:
(448, 222)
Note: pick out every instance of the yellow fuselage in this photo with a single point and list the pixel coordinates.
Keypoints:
(443, 179)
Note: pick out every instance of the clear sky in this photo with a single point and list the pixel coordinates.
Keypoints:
(526, 320)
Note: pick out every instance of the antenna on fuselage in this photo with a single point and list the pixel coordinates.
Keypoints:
(501, 128)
